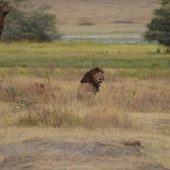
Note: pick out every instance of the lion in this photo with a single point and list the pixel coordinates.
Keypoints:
(90, 84)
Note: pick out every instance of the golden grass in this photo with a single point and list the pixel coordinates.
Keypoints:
(125, 110)
(31, 101)
(50, 103)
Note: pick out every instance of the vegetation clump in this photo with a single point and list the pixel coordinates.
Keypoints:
(33, 24)
(159, 27)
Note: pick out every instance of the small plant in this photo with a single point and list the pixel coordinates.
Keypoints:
(12, 92)
(158, 51)
(24, 103)
(85, 22)
(132, 96)
(167, 50)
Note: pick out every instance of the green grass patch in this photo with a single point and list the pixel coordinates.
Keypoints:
(82, 55)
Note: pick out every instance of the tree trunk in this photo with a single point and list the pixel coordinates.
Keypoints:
(4, 10)
(1, 30)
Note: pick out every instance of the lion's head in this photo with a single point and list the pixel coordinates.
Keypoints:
(90, 83)
(94, 77)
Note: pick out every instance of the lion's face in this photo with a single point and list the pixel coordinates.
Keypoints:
(98, 78)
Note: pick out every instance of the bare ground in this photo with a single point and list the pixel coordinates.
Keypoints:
(39, 153)
(61, 149)
(101, 11)
(104, 16)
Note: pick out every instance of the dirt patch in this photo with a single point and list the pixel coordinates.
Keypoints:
(47, 154)
(99, 149)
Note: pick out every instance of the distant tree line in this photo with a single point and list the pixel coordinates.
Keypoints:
(30, 23)
(37, 24)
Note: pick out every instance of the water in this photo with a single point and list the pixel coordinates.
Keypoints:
(107, 39)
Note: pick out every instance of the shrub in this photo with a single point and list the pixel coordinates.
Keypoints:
(12, 92)
(159, 27)
(32, 24)
(49, 116)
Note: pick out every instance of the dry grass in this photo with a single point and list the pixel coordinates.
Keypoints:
(49, 103)
(140, 95)
(42, 125)
(31, 101)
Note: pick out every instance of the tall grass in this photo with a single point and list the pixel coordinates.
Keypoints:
(46, 103)
(38, 82)
(51, 102)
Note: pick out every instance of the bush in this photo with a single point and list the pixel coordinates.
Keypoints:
(49, 117)
(159, 27)
(33, 25)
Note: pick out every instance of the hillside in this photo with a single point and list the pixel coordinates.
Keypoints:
(101, 16)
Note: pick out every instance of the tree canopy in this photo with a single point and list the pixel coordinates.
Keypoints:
(34, 24)
(159, 27)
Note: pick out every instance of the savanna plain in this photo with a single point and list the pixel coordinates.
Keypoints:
(43, 126)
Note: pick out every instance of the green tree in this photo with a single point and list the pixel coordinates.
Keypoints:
(159, 27)
(30, 24)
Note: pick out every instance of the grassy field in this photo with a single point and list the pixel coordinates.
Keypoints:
(47, 128)
(83, 55)
(43, 126)
(127, 60)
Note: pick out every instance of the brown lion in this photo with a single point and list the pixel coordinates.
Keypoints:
(90, 84)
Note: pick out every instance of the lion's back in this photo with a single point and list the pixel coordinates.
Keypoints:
(85, 91)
